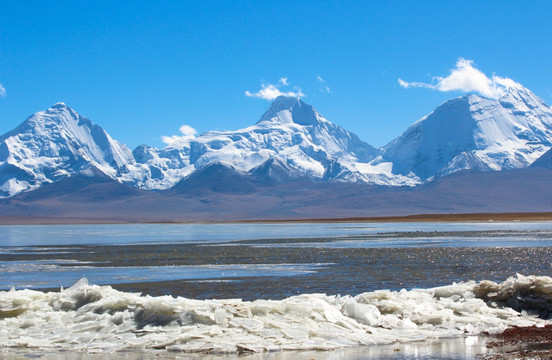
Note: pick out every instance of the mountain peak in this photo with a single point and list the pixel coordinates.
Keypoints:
(519, 96)
(286, 102)
(58, 111)
(59, 105)
(54, 144)
(289, 109)
(475, 132)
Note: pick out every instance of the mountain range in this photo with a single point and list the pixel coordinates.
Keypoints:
(58, 162)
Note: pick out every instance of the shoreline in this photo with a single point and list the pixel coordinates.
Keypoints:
(528, 342)
(525, 342)
(471, 217)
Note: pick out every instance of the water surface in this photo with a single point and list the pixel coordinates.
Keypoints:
(253, 261)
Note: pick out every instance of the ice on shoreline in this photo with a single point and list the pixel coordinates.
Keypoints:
(95, 318)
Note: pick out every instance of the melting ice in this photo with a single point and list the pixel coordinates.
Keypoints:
(99, 318)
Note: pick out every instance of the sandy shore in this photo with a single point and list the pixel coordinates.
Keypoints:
(534, 216)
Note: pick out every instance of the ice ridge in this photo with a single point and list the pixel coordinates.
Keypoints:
(101, 319)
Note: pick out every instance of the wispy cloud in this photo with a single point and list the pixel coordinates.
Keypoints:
(324, 86)
(272, 91)
(188, 133)
(2, 91)
(465, 77)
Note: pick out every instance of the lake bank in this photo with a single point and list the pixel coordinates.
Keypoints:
(477, 217)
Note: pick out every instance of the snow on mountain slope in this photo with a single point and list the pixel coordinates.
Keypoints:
(291, 141)
(477, 133)
(291, 132)
(54, 144)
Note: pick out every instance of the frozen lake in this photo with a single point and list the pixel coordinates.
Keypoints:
(303, 286)
(201, 259)
(132, 234)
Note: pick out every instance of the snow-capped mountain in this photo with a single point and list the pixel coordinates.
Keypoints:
(54, 144)
(475, 133)
(290, 142)
(291, 135)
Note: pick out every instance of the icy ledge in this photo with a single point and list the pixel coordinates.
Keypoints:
(100, 319)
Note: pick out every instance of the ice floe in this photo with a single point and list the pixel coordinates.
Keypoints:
(96, 318)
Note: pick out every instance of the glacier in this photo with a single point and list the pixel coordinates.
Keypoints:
(290, 142)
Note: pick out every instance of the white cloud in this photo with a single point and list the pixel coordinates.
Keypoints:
(2, 91)
(188, 133)
(324, 86)
(465, 77)
(271, 91)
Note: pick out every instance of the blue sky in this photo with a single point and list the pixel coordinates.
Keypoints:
(142, 69)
